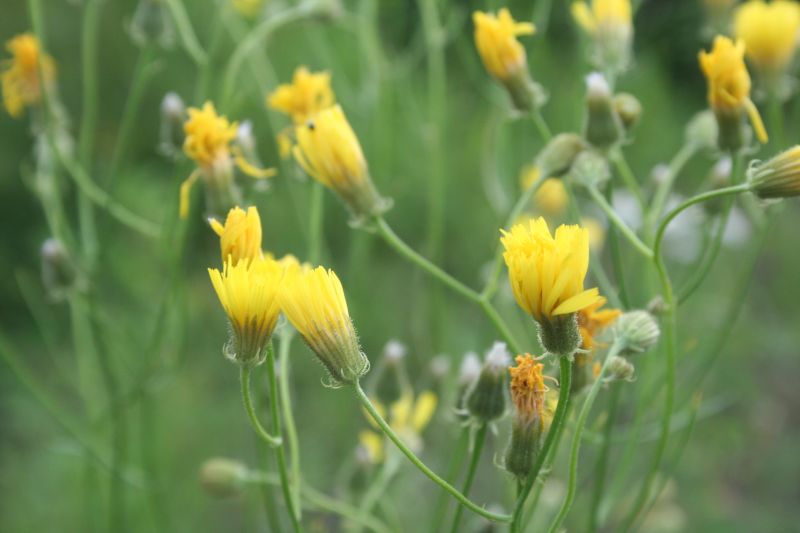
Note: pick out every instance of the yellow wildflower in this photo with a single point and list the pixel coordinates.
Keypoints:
(551, 198)
(778, 177)
(240, 237)
(496, 40)
(248, 292)
(20, 75)
(309, 93)
(602, 13)
(208, 135)
(329, 151)
(313, 301)
(729, 83)
(592, 320)
(769, 32)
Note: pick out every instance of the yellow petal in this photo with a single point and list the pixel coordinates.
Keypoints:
(423, 410)
(577, 302)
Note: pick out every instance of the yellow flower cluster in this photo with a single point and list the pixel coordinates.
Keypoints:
(496, 40)
(20, 77)
(208, 135)
(769, 32)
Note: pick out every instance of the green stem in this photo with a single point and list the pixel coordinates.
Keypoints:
(456, 458)
(612, 215)
(661, 196)
(316, 210)
(616, 257)
(628, 178)
(466, 502)
(555, 428)
(406, 251)
(186, 32)
(244, 375)
(601, 469)
(477, 448)
(541, 125)
(572, 483)
(284, 348)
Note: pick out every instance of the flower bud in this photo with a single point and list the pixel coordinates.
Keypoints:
(603, 127)
(619, 369)
(394, 351)
(590, 170)
(469, 370)
(170, 134)
(702, 130)
(58, 272)
(557, 156)
(223, 477)
(526, 441)
(629, 110)
(608, 23)
(637, 331)
(778, 177)
(486, 399)
(152, 23)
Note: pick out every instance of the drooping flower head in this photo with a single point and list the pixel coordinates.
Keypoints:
(329, 151)
(21, 74)
(769, 31)
(496, 40)
(778, 177)
(309, 93)
(729, 84)
(248, 292)
(240, 236)
(313, 301)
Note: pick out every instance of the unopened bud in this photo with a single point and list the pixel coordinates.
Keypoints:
(469, 370)
(590, 169)
(557, 156)
(486, 399)
(778, 177)
(526, 441)
(58, 272)
(170, 133)
(152, 23)
(619, 369)
(629, 110)
(394, 351)
(637, 331)
(223, 477)
(603, 127)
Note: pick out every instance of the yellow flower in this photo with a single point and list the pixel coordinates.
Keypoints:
(313, 301)
(602, 13)
(778, 177)
(240, 237)
(308, 94)
(20, 75)
(769, 32)
(208, 135)
(248, 292)
(248, 8)
(528, 388)
(329, 151)
(496, 40)
(729, 82)
(592, 320)
(546, 271)
(408, 417)
(551, 198)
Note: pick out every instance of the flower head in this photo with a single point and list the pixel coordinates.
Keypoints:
(329, 151)
(729, 82)
(496, 40)
(309, 93)
(778, 177)
(547, 271)
(240, 237)
(20, 76)
(313, 301)
(527, 387)
(208, 135)
(769, 32)
(248, 292)
(602, 14)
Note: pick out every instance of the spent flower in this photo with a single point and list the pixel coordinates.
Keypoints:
(21, 76)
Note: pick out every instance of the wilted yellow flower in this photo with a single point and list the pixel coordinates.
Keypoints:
(329, 151)
(20, 75)
(778, 177)
(248, 8)
(769, 32)
(240, 237)
(248, 292)
(551, 198)
(602, 13)
(408, 417)
(729, 83)
(309, 93)
(527, 387)
(496, 40)
(547, 271)
(313, 301)
(592, 320)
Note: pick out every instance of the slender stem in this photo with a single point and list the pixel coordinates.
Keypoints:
(244, 375)
(572, 480)
(466, 502)
(628, 178)
(601, 468)
(616, 256)
(612, 215)
(316, 210)
(456, 458)
(377, 488)
(477, 448)
(406, 251)
(280, 456)
(541, 125)
(680, 159)
(556, 425)
(284, 348)
(186, 32)
(701, 271)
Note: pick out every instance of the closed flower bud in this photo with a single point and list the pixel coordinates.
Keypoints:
(469, 370)
(559, 153)
(58, 271)
(603, 127)
(702, 130)
(608, 23)
(486, 399)
(619, 369)
(173, 115)
(329, 151)
(546, 273)
(637, 331)
(590, 170)
(223, 477)
(313, 301)
(152, 23)
(778, 177)
(240, 237)
(628, 108)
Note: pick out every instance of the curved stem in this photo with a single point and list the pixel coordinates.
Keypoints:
(612, 215)
(572, 483)
(699, 274)
(477, 448)
(602, 458)
(466, 502)
(541, 125)
(244, 375)
(186, 32)
(627, 176)
(288, 416)
(555, 428)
